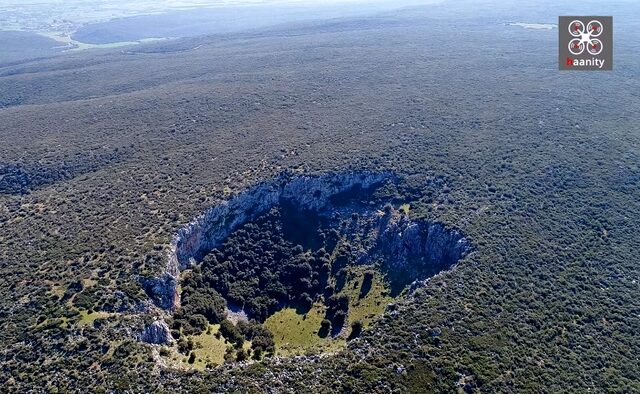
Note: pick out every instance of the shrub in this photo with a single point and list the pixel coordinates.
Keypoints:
(356, 329)
(231, 333)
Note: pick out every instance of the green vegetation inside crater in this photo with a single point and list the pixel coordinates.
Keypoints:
(300, 333)
(308, 298)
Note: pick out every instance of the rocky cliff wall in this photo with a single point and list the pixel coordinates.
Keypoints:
(417, 249)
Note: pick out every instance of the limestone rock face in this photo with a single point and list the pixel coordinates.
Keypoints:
(157, 333)
(163, 290)
(418, 246)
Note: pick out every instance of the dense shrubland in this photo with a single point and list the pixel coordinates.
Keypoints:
(536, 168)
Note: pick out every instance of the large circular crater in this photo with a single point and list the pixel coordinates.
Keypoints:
(297, 263)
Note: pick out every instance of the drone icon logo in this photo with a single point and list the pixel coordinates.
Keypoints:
(586, 37)
(585, 42)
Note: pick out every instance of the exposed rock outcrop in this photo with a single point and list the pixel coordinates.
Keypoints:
(418, 247)
(157, 333)
(162, 290)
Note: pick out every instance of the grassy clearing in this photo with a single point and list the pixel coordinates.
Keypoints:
(88, 282)
(58, 290)
(370, 305)
(87, 318)
(209, 349)
(62, 322)
(296, 333)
